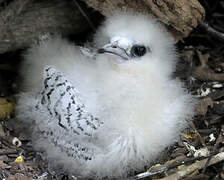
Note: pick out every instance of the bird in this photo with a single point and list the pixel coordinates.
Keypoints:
(109, 110)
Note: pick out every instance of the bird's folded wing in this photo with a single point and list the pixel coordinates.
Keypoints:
(62, 102)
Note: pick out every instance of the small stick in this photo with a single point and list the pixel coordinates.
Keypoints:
(84, 15)
(8, 151)
(195, 166)
(211, 31)
(164, 168)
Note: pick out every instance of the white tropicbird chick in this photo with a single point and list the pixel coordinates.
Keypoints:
(110, 114)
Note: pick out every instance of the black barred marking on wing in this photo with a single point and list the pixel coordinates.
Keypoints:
(91, 124)
(68, 89)
(68, 108)
(74, 150)
(60, 84)
(73, 99)
(48, 77)
(49, 100)
(63, 103)
(48, 68)
(45, 82)
(57, 77)
(43, 100)
(57, 114)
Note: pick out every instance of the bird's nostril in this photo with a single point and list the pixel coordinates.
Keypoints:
(101, 50)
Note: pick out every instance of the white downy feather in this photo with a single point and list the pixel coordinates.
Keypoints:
(135, 106)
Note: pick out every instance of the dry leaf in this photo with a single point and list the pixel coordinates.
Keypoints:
(3, 165)
(18, 176)
(204, 72)
(6, 108)
(202, 106)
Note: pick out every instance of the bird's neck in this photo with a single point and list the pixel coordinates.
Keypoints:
(129, 91)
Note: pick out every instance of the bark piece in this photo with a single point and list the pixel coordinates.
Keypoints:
(181, 16)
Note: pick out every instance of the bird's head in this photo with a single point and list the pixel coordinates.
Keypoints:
(129, 37)
(124, 49)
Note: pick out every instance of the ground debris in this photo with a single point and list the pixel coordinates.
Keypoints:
(198, 154)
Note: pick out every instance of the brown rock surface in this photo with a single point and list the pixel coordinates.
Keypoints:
(24, 21)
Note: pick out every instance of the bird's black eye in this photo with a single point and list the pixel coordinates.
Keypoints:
(138, 50)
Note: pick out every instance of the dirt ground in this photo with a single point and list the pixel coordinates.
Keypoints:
(198, 154)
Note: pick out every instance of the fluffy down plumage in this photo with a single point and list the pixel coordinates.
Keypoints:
(109, 114)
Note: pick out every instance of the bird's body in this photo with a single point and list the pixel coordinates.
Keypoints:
(109, 115)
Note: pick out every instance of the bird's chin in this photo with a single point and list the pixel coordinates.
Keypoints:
(115, 59)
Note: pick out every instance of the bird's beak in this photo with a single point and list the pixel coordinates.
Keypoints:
(114, 50)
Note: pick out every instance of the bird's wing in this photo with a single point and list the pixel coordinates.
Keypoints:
(62, 102)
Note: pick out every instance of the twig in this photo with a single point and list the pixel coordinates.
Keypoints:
(164, 168)
(150, 173)
(211, 31)
(84, 15)
(8, 151)
(195, 166)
